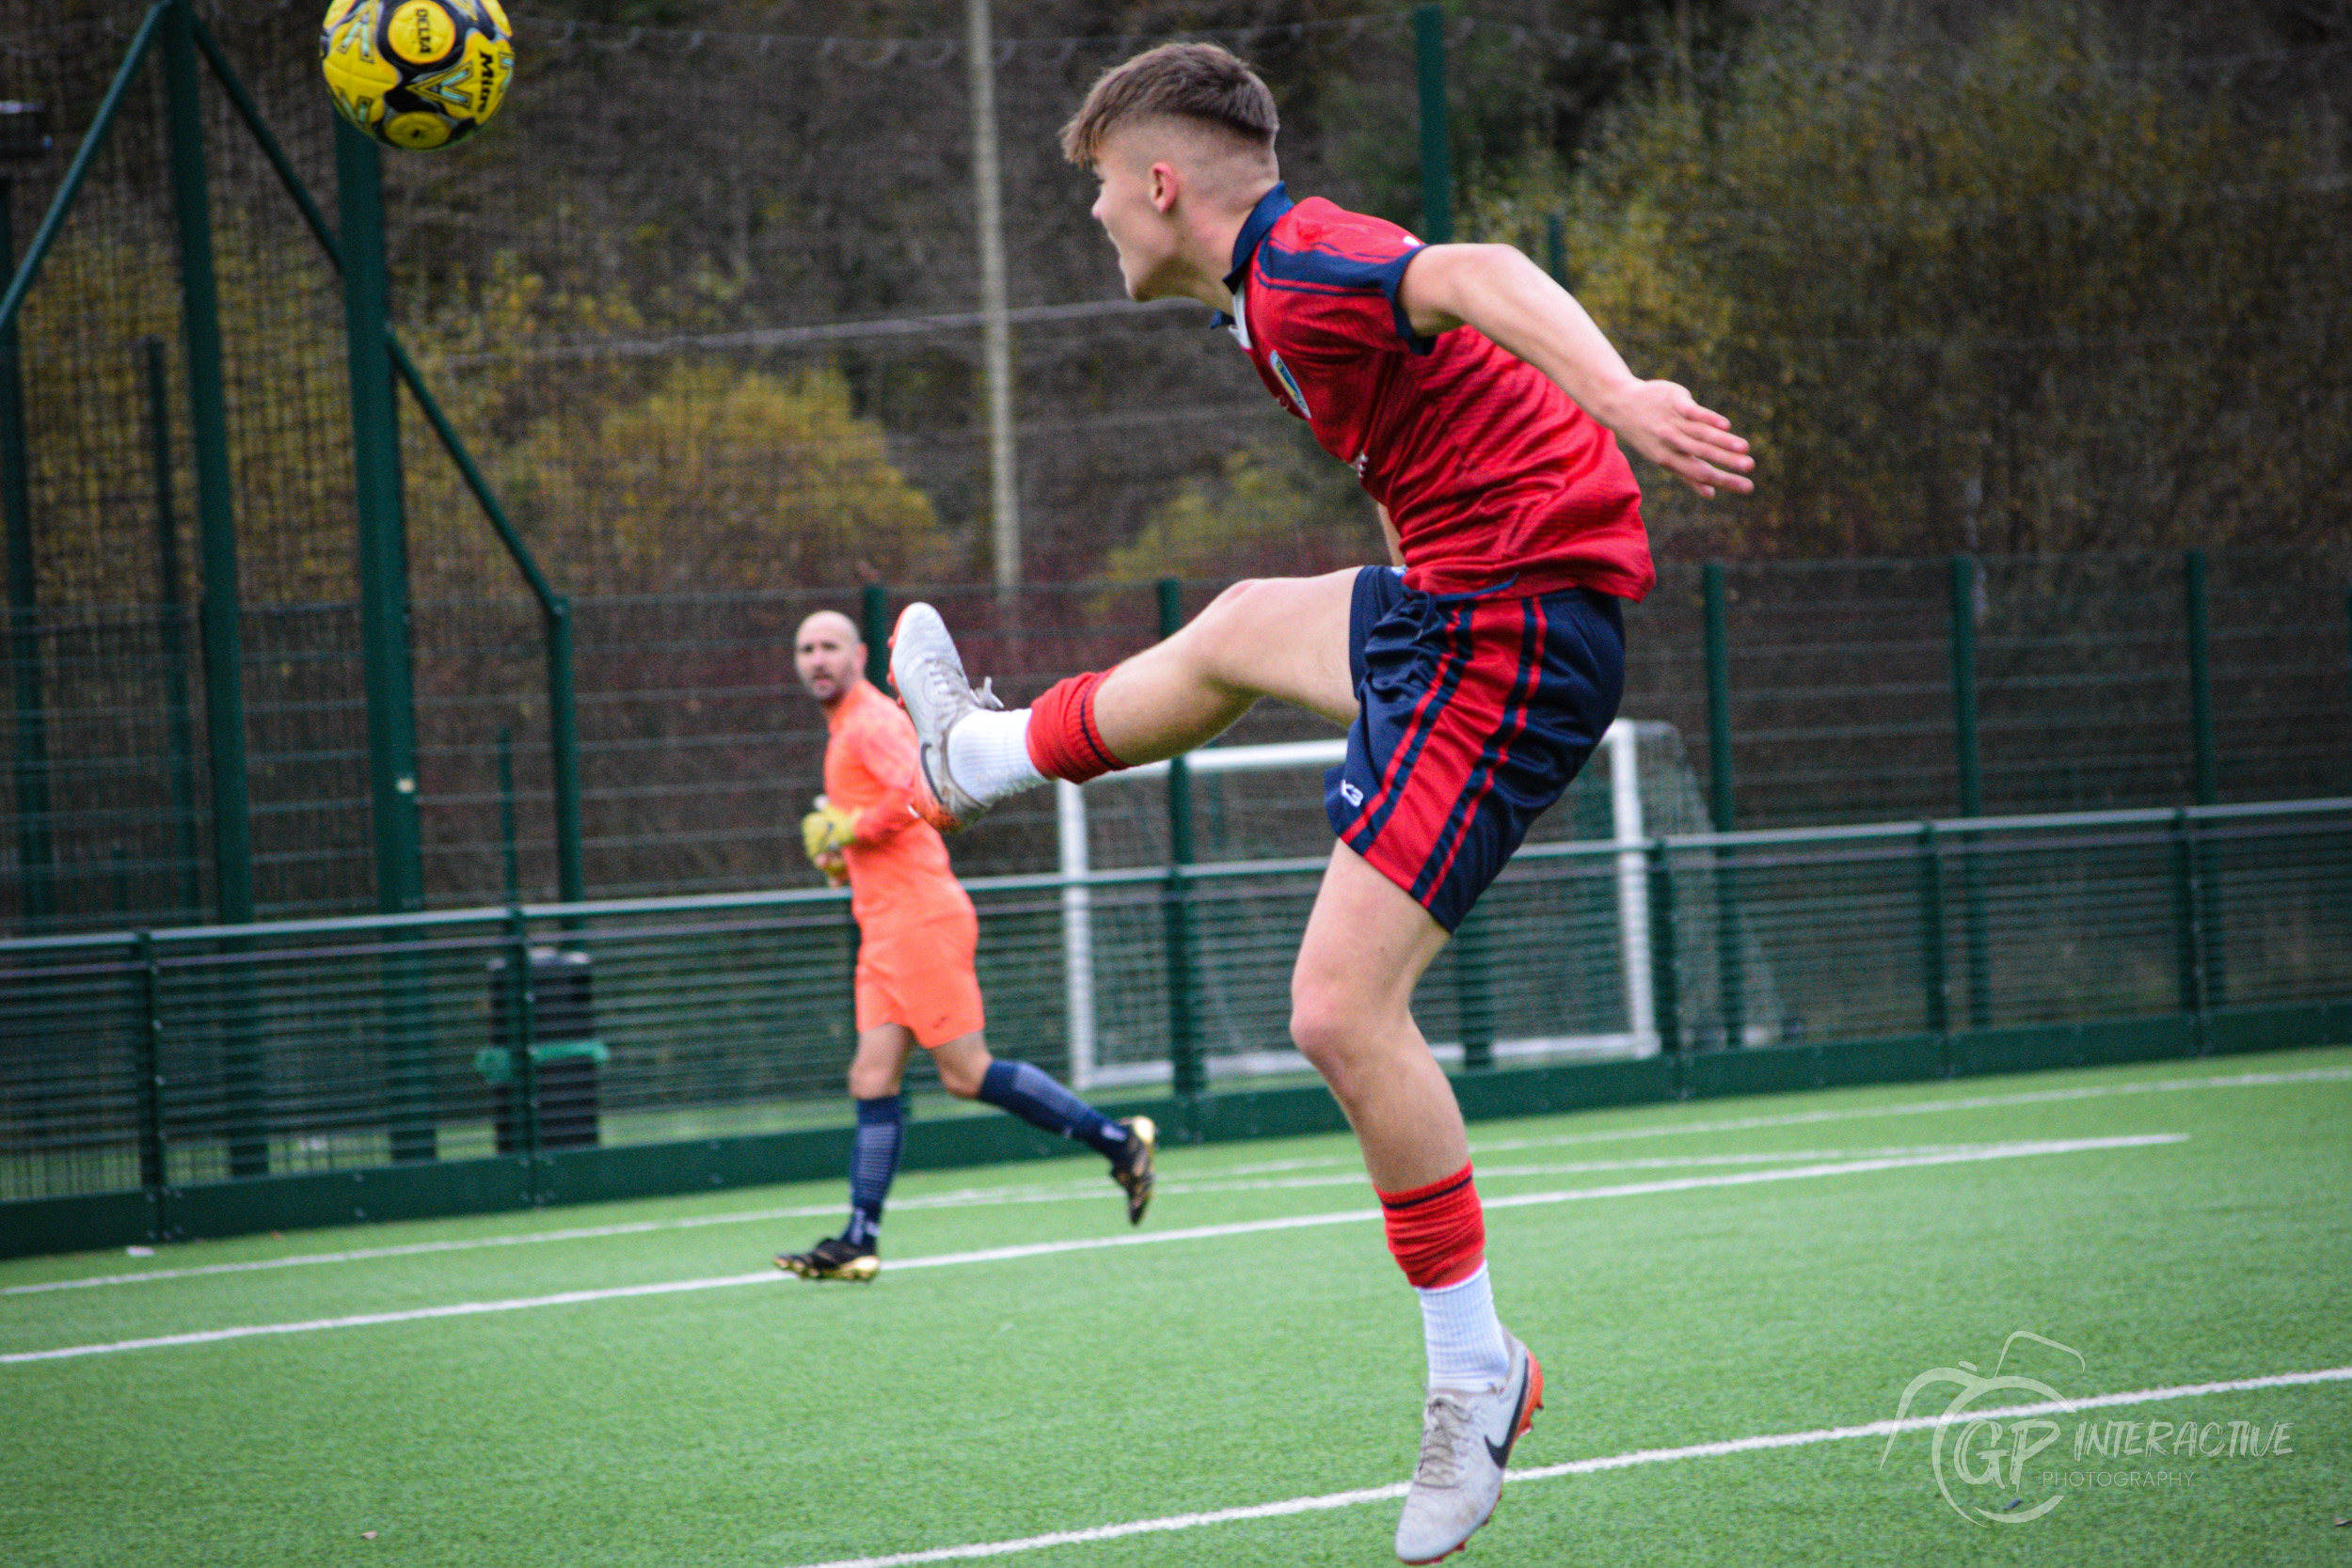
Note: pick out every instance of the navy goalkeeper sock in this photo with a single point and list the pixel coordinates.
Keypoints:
(873, 1162)
(1036, 1098)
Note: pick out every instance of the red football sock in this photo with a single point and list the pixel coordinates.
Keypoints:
(1438, 1232)
(1063, 741)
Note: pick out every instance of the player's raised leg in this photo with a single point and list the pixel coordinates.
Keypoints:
(1284, 638)
(1366, 946)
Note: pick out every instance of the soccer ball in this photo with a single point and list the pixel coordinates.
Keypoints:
(417, 74)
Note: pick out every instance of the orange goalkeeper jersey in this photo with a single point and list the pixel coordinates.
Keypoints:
(898, 871)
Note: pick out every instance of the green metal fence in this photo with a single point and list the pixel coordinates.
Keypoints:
(1830, 692)
(208, 1079)
(212, 542)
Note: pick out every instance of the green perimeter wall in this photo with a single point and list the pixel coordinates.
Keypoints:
(215, 1210)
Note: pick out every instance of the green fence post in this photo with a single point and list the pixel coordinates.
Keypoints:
(2209, 924)
(1935, 990)
(1473, 991)
(1721, 804)
(2211, 953)
(874, 626)
(1964, 659)
(1665, 990)
(179, 731)
(383, 633)
(2188, 947)
(207, 419)
(383, 531)
(35, 846)
(509, 862)
(1731, 970)
(571, 873)
(1966, 744)
(1436, 144)
(1187, 1071)
(2200, 677)
(155, 1174)
(244, 1092)
(522, 998)
(1556, 249)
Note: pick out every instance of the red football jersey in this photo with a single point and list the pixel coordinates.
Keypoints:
(1492, 475)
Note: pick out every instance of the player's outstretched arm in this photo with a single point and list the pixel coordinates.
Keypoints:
(1496, 290)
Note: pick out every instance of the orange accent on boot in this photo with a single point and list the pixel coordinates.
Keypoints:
(1063, 741)
(1438, 1233)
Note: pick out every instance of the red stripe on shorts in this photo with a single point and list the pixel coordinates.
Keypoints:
(1442, 771)
(1514, 718)
(1418, 727)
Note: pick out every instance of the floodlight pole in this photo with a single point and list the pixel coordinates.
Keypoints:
(997, 329)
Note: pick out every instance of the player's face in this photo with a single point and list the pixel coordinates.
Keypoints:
(1129, 208)
(827, 660)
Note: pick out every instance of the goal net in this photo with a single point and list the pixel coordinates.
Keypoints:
(1257, 827)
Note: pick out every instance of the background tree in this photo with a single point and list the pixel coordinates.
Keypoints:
(2000, 283)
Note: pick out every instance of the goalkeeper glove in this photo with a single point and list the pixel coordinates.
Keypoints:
(827, 831)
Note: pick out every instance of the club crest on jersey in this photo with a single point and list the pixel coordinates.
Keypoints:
(1290, 384)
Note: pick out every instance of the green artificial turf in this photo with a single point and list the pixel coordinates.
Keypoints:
(786, 1423)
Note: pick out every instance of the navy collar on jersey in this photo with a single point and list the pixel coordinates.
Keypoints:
(1262, 217)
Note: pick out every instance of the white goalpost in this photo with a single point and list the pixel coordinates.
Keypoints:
(1621, 747)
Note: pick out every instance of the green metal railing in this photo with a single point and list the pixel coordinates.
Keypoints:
(730, 1014)
(172, 30)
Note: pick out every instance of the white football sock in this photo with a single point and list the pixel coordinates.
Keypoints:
(1463, 1335)
(988, 754)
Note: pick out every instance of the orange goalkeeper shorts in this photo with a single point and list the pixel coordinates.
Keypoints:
(919, 973)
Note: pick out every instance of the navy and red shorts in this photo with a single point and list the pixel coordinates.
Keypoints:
(1475, 712)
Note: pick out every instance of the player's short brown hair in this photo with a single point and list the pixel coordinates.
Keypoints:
(1197, 82)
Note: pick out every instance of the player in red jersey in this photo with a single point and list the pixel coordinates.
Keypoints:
(1481, 409)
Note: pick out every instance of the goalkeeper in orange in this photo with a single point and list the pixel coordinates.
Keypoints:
(915, 981)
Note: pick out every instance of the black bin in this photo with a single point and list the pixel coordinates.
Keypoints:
(566, 1053)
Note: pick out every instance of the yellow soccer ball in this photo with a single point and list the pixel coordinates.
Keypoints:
(417, 74)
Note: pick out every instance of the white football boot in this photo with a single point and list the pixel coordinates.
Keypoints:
(1466, 1438)
(929, 673)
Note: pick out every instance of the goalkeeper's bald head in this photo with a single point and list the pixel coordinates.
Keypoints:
(829, 656)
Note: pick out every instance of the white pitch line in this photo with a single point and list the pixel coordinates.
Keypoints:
(1759, 1443)
(967, 1197)
(1095, 1243)
(970, 1198)
(1807, 1118)
(1929, 1107)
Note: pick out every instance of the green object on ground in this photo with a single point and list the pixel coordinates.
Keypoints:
(496, 1064)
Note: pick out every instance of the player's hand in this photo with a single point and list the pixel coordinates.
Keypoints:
(835, 865)
(1665, 424)
(826, 830)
